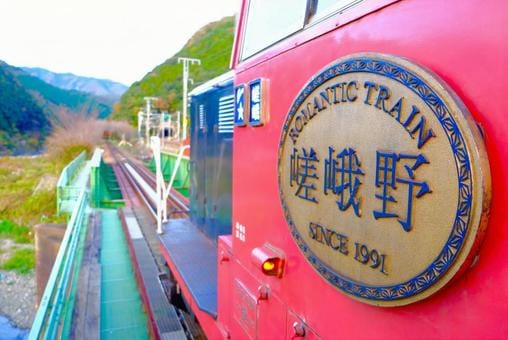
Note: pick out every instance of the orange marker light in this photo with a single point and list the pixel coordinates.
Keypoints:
(268, 266)
(272, 266)
(269, 260)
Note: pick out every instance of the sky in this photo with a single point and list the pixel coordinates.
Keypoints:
(120, 40)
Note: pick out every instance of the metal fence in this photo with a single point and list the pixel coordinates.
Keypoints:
(65, 192)
(54, 316)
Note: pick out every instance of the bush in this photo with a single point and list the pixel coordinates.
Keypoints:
(19, 233)
(73, 132)
(23, 261)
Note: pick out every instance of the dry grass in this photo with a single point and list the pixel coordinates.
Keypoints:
(19, 202)
(19, 176)
(79, 131)
(21, 206)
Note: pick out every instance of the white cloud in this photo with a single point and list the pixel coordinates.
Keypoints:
(120, 40)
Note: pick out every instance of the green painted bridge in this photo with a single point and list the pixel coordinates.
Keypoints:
(121, 314)
(105, 282)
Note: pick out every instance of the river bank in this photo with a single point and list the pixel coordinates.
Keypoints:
(17, 298)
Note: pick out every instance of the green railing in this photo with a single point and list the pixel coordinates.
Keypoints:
(65, 192)
(168, 164)
(54, 316)
(105, 192)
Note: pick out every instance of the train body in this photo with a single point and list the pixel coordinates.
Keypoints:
(327, 96)
(211, 165)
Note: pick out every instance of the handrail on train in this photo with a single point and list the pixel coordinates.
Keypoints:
(163, 191)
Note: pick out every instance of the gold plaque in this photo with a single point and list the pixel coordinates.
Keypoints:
(383, 178)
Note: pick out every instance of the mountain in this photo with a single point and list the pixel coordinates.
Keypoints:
(28, 105)
(110, 90)
(23, 123)
(52, 99)
(212, 44)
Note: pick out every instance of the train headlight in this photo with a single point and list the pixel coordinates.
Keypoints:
(268, 266)
(269, 260)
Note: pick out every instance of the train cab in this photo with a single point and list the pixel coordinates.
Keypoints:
(366, 160)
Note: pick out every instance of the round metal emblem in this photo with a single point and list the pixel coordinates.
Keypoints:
(383, 178)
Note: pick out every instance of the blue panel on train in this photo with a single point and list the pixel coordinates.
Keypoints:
(212, 120)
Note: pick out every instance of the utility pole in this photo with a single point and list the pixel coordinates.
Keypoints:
(186, 62)
(148, 113)
(179, 126)
(140, 122)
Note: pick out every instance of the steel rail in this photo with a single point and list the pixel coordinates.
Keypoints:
(149, 176)
(174, 202)
(125, 176)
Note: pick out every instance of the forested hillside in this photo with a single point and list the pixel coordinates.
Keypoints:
(104, 88)
(212, 44)
(23, 123)
(51, 98)
(28, 105)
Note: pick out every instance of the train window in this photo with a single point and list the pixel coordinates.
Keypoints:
(320, 9)
(271, 21)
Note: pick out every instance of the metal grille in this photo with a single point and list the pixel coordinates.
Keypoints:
(201, 112)
(195, 258)
(163, 312)
(226, 114)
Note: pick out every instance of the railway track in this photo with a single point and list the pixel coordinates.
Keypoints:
(140, 185)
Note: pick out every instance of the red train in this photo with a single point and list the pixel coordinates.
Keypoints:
(367, 175)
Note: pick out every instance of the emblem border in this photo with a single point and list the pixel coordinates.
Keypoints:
(461, 225)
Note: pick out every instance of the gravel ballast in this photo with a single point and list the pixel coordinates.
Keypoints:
(17, 298)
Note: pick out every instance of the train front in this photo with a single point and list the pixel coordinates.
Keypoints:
(366, 163)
